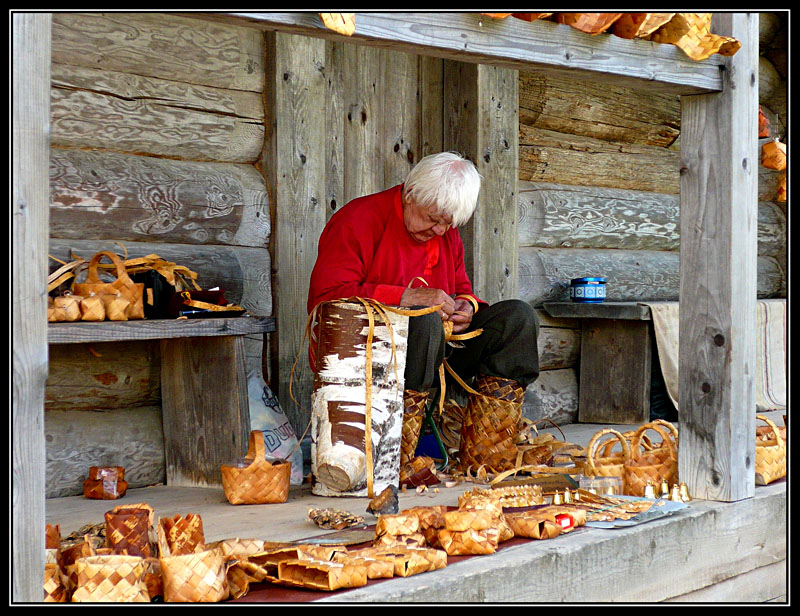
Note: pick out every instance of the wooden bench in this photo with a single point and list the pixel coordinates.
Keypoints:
(205, 404)
(615, 361)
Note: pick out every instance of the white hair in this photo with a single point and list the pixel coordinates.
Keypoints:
(446, 182)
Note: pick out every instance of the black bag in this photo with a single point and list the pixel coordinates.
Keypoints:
(158, 293)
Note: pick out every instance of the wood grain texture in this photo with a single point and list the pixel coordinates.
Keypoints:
(719, 276)
(30, 85)
(206, 416)
(563, 216)
(554, 395)
(548, 156)
(598, 110)
(631, 275)
(141, 198)
(162, 45)
(77, 439)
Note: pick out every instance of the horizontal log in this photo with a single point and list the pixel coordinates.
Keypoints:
(508, 43)
(545, 320)
(243, 273)
(598, 110)
(554, 395)
(141, 198)
(162, 45)
(76, 440)
(104, 375)
(558, 348)
(561, 216)
(559, 158)
(631, 275)
(152, 124)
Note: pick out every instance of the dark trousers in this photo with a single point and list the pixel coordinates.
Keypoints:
(507, 348)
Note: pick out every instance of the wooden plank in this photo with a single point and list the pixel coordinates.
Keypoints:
(128, 437)
(559, 347)
(294, 166)
(401, 145)
(615, 372)
(242, 272)
(104, 375)
(162, 45)
(431, 95)
(508, 43)
(605, 310)
(718, 275)
(481, 111)
(631, 275)
(91, 108)
(598, 110)
(563, 216)
(554, 396)
(559, 158)
(156, 329)
(142, 198)
(30, 92)
(205, 406)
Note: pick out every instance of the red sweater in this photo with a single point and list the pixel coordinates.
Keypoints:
(365, 251)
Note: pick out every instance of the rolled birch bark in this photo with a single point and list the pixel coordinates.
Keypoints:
(340, 464)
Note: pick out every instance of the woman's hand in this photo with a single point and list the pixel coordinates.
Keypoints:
(426, 296)
(461, 315)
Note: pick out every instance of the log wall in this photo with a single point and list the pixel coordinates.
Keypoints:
(157, 129)
(599, 195)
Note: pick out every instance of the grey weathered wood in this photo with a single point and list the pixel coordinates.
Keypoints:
(142, 198)
(558, 347)
(400, 136)
(162, 45)
(603, 310)
(103, 375)
(598, 110)
(563, 216)
(30, 91)
(548, 156)
(631, 275)
(156, 329)
(431, 95)
(92, 108)
(508, 43)
(205, 407)
(242, 272)
(554, 395)
(129, 437)
(718, 275)
(615, 371)
(294, 166)
(481, 111)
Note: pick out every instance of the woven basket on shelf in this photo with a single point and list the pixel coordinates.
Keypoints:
(257, 480)
(199, 577)
(111, 578)
(652, 466)
(128, 531)
(610, 464)
(770, 456)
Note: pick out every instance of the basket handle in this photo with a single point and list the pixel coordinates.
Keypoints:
(591, 448)
(774, 429)
(122, 273)
(256, 448)
(662, 430)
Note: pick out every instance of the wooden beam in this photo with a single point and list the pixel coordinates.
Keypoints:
(509, 43)
(481, 123)
(717, 360)
(30, 213)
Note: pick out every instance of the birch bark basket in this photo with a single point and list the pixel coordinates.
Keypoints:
(340, 462)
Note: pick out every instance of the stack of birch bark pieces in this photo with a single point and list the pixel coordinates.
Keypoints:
(599, 195)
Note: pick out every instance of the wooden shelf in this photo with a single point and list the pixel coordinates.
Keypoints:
(629, 311)
(155, 329)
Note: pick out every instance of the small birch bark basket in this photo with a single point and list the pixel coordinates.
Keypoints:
(259, 481)
(652, 466)
(111, 578)
(611, 464)
(770, 456)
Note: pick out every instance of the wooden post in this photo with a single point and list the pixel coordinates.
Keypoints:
(481, 123)
(294, 167)
(30, 213)
(717, 360)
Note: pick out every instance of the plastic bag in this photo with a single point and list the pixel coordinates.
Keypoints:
(267, 416)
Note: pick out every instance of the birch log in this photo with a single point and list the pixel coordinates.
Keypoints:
(341, 464)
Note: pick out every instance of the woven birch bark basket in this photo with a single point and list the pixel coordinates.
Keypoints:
(361, 354)
(770, 455)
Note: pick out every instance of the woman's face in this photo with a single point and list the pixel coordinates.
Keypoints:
(424, 223)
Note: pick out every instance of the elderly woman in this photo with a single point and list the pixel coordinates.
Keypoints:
(402, 247)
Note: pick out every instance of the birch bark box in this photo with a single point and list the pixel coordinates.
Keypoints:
(340, 464)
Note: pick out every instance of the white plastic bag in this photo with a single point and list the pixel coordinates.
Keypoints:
(279, 436)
